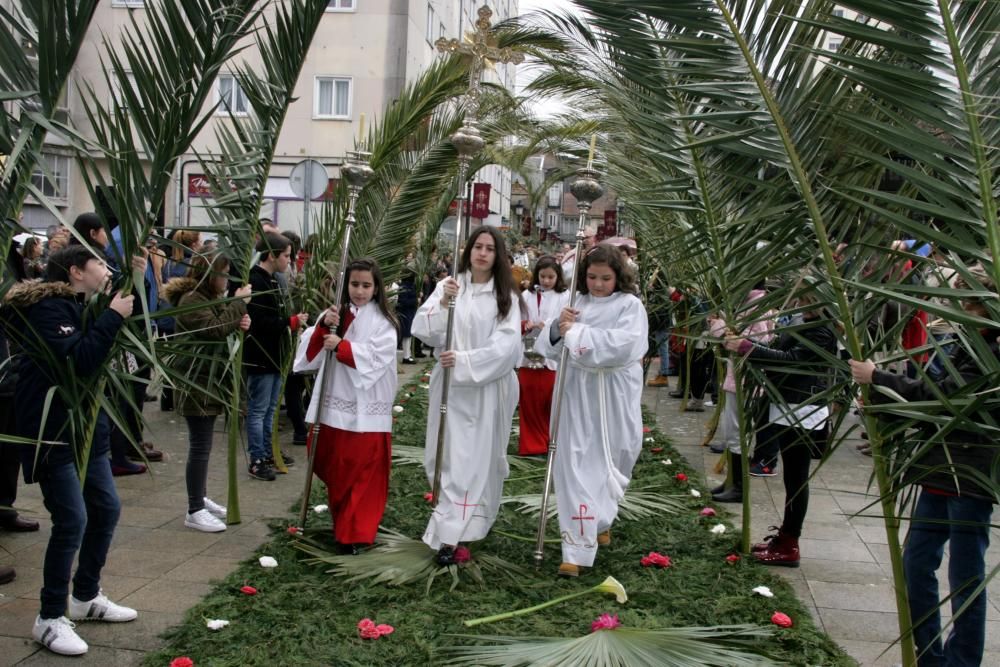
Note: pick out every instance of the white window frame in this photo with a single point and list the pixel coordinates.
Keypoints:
(131, 4)
(834, 45)
(222, 109)
(317, 80)
(431, 25)
(57, 178)
(342, 6)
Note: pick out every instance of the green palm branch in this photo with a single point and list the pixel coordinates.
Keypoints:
(634, 505)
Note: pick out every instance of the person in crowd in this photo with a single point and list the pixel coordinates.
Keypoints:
(355, 349)
(56, 242)
(53, 333)
(759, 328)
(268, 343)
(796, 363)
(483, 392)
(660, 309)
(536, 375)
(406, 310)
(694, 375)
(600, 421)
(207, 325)
(954, 506)
(295, 384)
(569, 257)
(34, 264)
(186, 245)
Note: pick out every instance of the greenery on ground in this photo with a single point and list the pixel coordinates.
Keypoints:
(302, 615)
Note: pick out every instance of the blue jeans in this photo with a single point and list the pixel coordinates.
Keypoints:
(84, 520)
(933, 524)
(662, 339)
(264, 391)
(936, 367)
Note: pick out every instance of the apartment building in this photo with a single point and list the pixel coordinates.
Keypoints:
(363, 53)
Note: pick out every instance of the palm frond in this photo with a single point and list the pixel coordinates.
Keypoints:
(635, 505)
(726, 645)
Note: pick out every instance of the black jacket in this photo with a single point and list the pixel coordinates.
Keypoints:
(794, 364)
(62, 345)
(270, 337)
(946, 466)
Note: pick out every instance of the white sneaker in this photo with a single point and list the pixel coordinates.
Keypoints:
(709, 403)
(100, 609)
(57, 635)
(217, 510)
(204, 521)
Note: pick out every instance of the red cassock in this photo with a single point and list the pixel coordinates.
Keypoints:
(535, 408)
(354, 466)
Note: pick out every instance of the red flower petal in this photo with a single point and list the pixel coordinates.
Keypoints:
(462, 555)
(182, 661)
(369, 633)
(384, 629)
(681, 477)
(732, 558)
(248, 590)
(781, 620)
(605, 622)
(707, 511)
(366, 623)
(429, 497)
(646, 429)
(656, 450)
(294, 530)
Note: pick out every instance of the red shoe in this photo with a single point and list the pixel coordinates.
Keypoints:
(762, 546)
(783, 550)
(127, 468)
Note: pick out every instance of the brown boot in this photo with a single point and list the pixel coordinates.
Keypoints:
(659, 381)
(569, 570)
(604, 539)
(782, 549)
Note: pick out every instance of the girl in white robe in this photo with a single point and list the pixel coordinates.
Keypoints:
(354, 436)
(600, 422)
(482, 395)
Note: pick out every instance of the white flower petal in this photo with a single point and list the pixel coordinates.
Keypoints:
(718, 529)
(425, 386)
(764, 591)
(650, 439)
(267, 561)
(397, 409)
(216, 623)
(667, 462)
(696, 493)
(320, 509)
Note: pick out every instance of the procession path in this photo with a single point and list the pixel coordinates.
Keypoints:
(845, 579)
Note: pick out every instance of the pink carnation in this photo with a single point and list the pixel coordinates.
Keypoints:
(429, 497)
(657, 559)
(368, 630)
(384, 629)
(605, 622)
(182, 661)
(781, 620)
(707, 511)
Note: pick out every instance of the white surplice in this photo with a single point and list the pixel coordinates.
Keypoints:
(355, 399)
(600, 423)
(544, 306)
(481, 402)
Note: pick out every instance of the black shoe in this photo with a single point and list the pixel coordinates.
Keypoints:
(420, 355)
(733, 495)
(300, 441)
(445, 556)
(719, 489)
(345, 549)
(289, 461)
(19, 525)
(716, 447)
(409, 360)
(261, 469)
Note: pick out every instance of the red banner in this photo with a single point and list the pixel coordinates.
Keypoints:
(198, 186)
(610, 226)
(480, 200)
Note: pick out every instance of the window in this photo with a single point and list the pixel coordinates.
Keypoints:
(333, 97)
(838, 13)
(431, 24)
(340, 6)
(441, 32)
(834, 45)
(128, 3)
(51, 175)
(555, 195)
(117, 99)
(231, 96)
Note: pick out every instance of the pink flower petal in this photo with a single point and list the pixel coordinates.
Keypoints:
(248, 590)
(429, 497)
(182, 661)
(384, 629)
(656, 450)
(732, 558)
(366, 623)
(707, 511)
(781, 620)
(646, 429)
(605, 622)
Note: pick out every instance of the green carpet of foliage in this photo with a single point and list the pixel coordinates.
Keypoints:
(303, 616)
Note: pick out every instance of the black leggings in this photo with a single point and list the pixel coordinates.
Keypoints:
(794, 444)
(295, 385)
(121, 442)
(702, 365)
(200, 431)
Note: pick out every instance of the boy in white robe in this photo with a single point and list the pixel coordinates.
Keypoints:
(600, 422)
(483, 392)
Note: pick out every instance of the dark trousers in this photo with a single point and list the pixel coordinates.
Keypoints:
(295, 385)
(83, 520)
(200, 431)
(121, 441)
(10, 463)
(965, 522)
(795, 445)
(702, 367)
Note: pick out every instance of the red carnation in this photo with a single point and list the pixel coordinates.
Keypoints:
(294, 530)
(781, 620)
(681, 477)
(248, 590)
(462, 555)
(656, 450)
(657, 559)
(182, 661)
(732, 558)
(429, 497)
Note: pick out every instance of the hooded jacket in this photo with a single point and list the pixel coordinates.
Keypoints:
(203, 331)
(793, 362)
(946, 466)
(271, 323)
(61, 345)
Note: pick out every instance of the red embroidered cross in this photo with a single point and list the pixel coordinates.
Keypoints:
(582, 517)
(581, 350)
(466, 504)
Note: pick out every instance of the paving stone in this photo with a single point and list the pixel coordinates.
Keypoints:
(138, 563)
(16, 649)
(869, 626)
(202, 569)
(142, 634)
(187, 542)
(165, 595)
(872, 654)
(97, 656)
(843, 572)
(834, 549)
(853, 597)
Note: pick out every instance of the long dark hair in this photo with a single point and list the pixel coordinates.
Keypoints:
(205, 267)
(503, 276)
(613, 257)
(549, 262)
(379, 297)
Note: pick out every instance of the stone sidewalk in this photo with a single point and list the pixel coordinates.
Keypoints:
(845, 579)
(156, 565)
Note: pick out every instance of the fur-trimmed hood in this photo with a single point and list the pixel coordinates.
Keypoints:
(176, 288)
(30, 292)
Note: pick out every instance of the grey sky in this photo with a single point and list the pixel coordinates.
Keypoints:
(547, 107)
